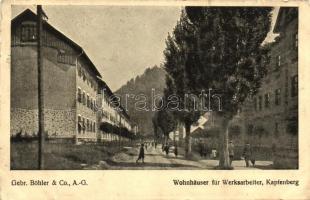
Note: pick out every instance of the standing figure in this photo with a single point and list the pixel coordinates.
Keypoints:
(247, 154)
(167, 149)
(176, 151)
(231, 151)
(141, 154)
(201, 148)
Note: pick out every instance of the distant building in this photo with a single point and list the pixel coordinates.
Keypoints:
(111, 112)
(71, 85)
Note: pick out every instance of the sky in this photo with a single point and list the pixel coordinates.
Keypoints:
(122, 41)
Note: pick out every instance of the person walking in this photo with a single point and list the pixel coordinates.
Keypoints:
(167, 149)
(141, 154)
(176, 151)
(247, 154)
(231, 151)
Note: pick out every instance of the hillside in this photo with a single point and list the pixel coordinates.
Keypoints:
(139, 94)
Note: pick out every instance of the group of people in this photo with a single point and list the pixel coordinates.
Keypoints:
(248, 154)
(165, 148)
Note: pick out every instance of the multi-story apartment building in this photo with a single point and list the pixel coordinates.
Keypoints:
(272, 114)
(111, 112)
(70, 84)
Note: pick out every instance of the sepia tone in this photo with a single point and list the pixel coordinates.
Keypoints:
(85, 127)
(218, 149)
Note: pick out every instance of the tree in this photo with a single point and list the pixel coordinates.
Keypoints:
(166, 122)
(229, 57)
(155, 127)
(178, 47)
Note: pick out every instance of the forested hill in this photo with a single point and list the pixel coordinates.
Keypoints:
(152, 78)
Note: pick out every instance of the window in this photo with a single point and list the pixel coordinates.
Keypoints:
(79, 95)
(80, 125)
(267, 100)
(62, 57)
(260, 102)
(83, 75)
(87, 125)
(277, 99)
(91, 103)
(79, 71)
(94, 127)
(279, 61)
(276, 129)
(84, 98)
(294, 86)
(286, 90)
(29, 32)
(83, 122)
(88, 104)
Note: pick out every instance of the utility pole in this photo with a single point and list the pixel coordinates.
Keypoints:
(41, 134)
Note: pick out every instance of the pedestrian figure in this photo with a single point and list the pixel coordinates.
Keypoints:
(205, 150)
(176, 151)
(155, 145)
(167, 149)
(248, 155)
(201, 148)
(231, 151)
(141, 154)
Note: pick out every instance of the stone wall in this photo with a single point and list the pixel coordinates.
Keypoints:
(58, 123)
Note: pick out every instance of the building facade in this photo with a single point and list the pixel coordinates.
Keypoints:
(70, 85)
(271, 116)
(112, 113)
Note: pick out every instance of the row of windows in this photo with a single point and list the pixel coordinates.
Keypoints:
(86, 125)
(86, 78)
(66, 58)
(29, 32)
(85, 99)
(258, 103)
(295, 45)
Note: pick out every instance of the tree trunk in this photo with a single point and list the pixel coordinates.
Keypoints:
(188, 146)
(224, 155)
(166, 138)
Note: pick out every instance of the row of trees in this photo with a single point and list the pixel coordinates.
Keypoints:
(218, 48)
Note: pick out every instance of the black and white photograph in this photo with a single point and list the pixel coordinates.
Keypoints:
(104, 87)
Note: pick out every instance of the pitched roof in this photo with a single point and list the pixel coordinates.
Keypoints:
(28, 14)
(285, 15)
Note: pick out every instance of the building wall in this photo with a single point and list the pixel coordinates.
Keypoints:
(87, 83)
(107, 114)
(111, 114)
(59, 88)
(275, 118)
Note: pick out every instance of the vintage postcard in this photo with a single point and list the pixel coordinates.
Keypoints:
(154, 100)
